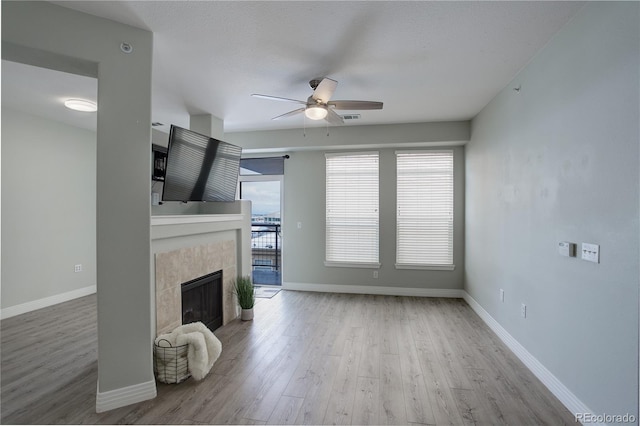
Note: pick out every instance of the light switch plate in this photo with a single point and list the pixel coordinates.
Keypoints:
(591, 252)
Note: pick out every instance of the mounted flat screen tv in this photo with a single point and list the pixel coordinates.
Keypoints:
(200, 168)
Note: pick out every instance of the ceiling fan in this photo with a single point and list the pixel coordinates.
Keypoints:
(319, 106)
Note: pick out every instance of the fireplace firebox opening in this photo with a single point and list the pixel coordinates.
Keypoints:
(202, 300)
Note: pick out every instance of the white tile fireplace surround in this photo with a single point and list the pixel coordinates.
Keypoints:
(185, 247)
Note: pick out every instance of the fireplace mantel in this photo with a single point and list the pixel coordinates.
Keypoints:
(171, 226)
(193, 218)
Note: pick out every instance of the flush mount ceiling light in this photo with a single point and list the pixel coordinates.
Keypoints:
(316, 112)
(81, 105)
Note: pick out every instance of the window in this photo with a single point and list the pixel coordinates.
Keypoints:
(424, 210)
(352, 210)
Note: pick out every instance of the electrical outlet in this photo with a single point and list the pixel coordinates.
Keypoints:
(523, 310)
(502, 295)
(375, 274)
(77, 268)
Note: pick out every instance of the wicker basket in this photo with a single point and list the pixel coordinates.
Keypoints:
(170, 364)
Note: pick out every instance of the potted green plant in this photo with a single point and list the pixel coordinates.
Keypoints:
(244, 291)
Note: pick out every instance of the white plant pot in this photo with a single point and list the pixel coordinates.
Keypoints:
(246, 314)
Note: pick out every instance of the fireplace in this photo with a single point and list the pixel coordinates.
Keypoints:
(183, 265)
(202, 300)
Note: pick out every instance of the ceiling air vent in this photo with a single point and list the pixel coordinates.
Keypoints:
(351, 117)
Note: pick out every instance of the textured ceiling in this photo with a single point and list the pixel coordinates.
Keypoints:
(427, 61)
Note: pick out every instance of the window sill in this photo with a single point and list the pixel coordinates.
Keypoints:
(426, 267)
(372, 265)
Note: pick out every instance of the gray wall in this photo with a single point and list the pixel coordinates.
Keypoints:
(352, 137)
(48, 208)
(558, 161)
(304, 199)
(51, 36)
(304, 249)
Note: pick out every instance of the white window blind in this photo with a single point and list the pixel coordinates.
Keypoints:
(424, 209)
(352, 209)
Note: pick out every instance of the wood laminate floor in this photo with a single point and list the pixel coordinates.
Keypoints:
(306, 358)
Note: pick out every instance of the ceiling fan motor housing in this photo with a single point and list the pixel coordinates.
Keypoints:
(314, 83)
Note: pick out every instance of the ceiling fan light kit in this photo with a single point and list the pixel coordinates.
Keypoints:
(316, 112)
(319, 106)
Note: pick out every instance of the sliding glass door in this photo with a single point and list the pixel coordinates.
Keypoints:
(266, 237)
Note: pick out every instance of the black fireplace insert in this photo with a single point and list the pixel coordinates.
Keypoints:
(202, 300)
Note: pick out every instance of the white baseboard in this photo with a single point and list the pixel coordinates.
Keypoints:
(117, 398)
(368, 289)
(573, 404)
(23, 308)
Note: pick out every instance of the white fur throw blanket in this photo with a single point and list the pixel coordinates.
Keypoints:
(204, 347)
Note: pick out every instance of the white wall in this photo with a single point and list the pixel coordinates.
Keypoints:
(558, 161)
(48, 209)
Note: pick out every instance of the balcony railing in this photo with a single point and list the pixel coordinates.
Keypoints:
(266, 253)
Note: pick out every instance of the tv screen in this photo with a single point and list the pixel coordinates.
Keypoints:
(200, 168)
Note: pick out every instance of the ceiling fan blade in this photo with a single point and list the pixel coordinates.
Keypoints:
(289, 114)
(333, 118)
(277, 98)
(355, 105)
(325, 90)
